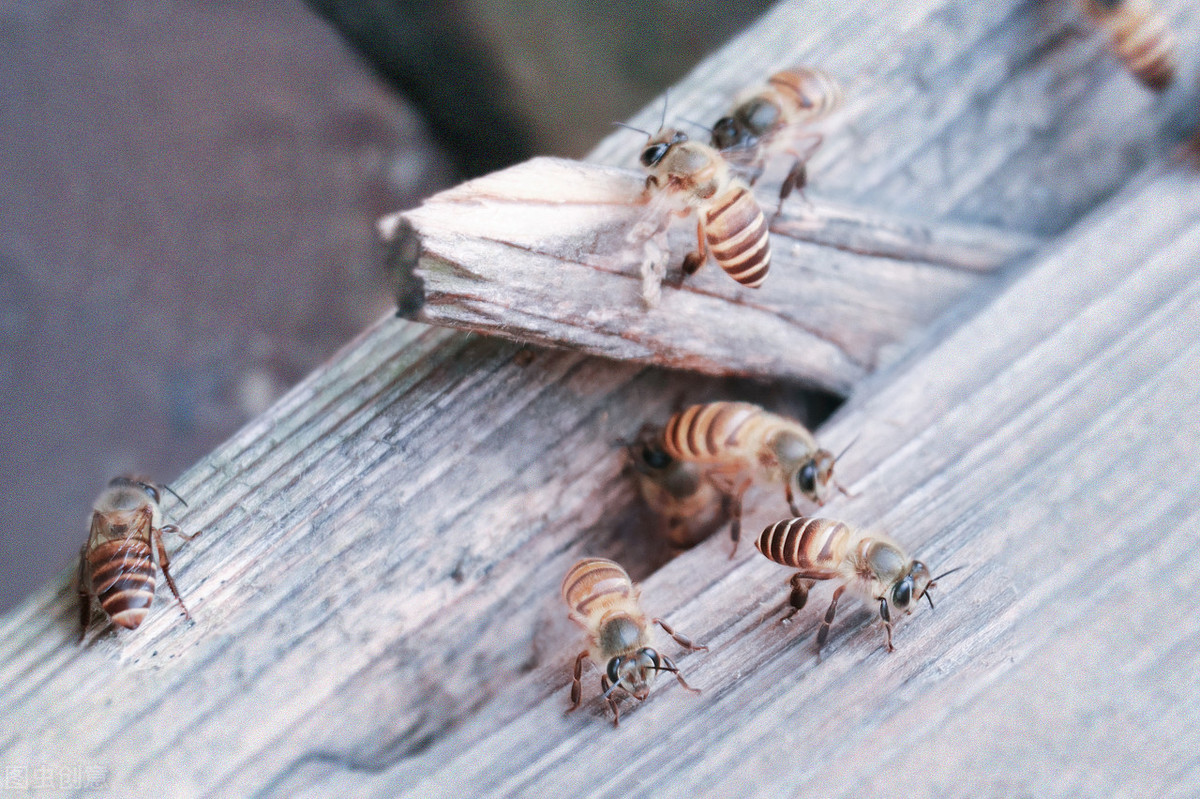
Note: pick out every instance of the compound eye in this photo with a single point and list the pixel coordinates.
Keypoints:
(725, 133)
(649, 657)
(902, 593)
(654, 153)
(807, 478)
(614, 671)
(151, 490)
(655, 458)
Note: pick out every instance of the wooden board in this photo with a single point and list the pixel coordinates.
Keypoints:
(375, 591)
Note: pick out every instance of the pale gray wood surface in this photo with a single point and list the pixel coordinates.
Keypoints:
(375, 593)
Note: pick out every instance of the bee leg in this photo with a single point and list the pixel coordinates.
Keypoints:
(799, 595)
(791, 499)
(735, 514)
(612, 702)
(843, 489)
(576, 687)
(694, 260)
(823, 633)
(164, 562)
(85, 598)
(887, 621)
(682, 640)
(174, 528)
(669, 665)
(797, 176)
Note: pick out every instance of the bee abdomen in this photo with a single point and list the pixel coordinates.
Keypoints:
(707, 432)
(592, 580)
(802, 542)
(1140, 37)
(814, 92)
(122, 575)
(737, 235)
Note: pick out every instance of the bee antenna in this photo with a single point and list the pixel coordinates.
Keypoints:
(927, 596)
(853, 441)
(663, 122)
(172, 492)
(697, 124)
(636, 130)
(933, 582)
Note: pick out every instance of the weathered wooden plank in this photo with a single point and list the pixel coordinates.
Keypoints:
(376, 590)
(1048, 444)
(542, 252)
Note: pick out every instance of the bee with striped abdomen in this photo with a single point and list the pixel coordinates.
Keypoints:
(681, 494)
(116, 566)
(605, 602)
(740, 442)
(766, 120)
(729, 224)
(873, 566)
(1139, 36)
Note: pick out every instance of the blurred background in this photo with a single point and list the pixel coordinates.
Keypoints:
(188, 191)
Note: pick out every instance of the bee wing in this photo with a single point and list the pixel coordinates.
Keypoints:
(133, 526)
(96, 529)
(800, 139)
(745, 160)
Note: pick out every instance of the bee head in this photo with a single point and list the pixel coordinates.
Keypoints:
(814, 475)
(729, 133)
(633, 672)
(657, 148)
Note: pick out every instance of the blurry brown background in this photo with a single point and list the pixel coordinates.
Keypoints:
(187, 193)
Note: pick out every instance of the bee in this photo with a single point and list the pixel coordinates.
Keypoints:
(740, 442)
(1139, 36)
(604, 601)
(872, 565)
(756, 127)
(117, 564)
(729, 223)
(680, 493)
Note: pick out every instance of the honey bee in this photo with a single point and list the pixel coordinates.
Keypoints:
(117, 564)
(757, 126)
(729, 223)
(604, 601)
(1139, 36)
(740, 442)
(872, 565)
(689, 504)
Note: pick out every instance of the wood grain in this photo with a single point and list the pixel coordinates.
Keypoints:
(375, 593)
